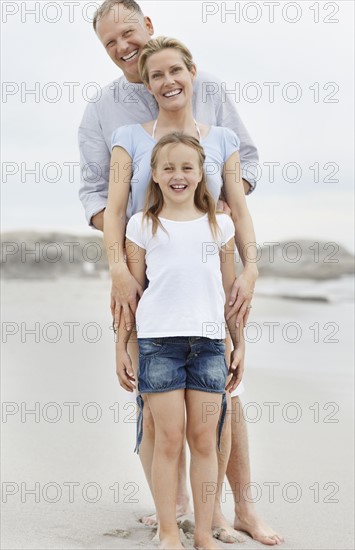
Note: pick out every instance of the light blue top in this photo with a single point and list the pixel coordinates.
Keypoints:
(219, 144)
(123, 102)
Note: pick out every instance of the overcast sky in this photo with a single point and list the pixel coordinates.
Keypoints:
(314, 52)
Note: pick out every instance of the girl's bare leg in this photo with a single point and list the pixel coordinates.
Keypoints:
(169, 439)
(201, 436)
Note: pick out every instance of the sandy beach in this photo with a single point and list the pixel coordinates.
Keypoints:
(70, 479)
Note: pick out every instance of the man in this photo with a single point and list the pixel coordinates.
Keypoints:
(124, 30)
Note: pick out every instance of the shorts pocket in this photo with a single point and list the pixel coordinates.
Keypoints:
(150, 347)
(219, 346)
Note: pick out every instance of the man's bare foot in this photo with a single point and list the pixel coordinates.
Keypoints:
(223, 531)
(181, 510)
(256, 527)
(205, 542)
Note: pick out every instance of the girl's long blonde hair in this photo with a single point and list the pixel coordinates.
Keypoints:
(203, 199)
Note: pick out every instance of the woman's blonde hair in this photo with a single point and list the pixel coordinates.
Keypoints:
(203, 199)
(156, 45)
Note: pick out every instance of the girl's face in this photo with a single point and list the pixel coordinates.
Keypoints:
(178, 173)
(170, 81)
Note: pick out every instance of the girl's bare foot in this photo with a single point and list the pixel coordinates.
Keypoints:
(171, 542)
(182, 509)
(205, 542)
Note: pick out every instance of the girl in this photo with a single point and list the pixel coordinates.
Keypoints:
(186, 251)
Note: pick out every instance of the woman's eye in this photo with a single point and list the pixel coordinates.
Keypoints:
(155, 75)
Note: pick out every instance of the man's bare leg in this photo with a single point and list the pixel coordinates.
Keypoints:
(238, 474)
(146, 452)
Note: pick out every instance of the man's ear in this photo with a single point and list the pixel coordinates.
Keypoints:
(149, 25)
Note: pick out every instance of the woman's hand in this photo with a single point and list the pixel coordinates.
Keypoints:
(236, 368)
(124, 370)
(125, 293)
(241, 296)
(222, 206)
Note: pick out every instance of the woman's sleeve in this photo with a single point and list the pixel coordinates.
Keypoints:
(228, 229)
(123, 137)
(231, 143)
(135, 231)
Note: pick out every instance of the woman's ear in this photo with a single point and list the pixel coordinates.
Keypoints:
(193, 71)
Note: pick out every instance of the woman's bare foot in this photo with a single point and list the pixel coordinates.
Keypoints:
(256, 527)
(223, 531)
(205, 542)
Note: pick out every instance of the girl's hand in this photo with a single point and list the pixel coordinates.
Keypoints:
(241, 296)
(124, 370)
(124, 292)
(236, 368)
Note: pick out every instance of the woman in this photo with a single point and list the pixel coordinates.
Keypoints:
(179, 367)
(168, 71)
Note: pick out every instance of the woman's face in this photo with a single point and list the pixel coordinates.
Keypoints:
(170, 81)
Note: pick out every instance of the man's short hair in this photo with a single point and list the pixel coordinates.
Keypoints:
(107, 5)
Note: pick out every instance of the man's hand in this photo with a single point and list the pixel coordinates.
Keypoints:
(124, 292)
(98, 220)
(241, 296)
(124, 370)
(236, 368)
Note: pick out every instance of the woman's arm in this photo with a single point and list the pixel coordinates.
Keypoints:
(124, 287)
(236, 367)
(136, 265)
(243, 287)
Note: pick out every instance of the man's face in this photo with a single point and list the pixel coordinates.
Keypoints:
(124, 33)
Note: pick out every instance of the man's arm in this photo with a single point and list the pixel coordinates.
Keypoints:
(227, 116)
(95, 167)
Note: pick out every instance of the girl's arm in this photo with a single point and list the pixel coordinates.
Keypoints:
(136, 265)
(243, 288)
(236, 367)
(124, 287)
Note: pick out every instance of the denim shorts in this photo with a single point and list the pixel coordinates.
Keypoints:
(181, 362)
